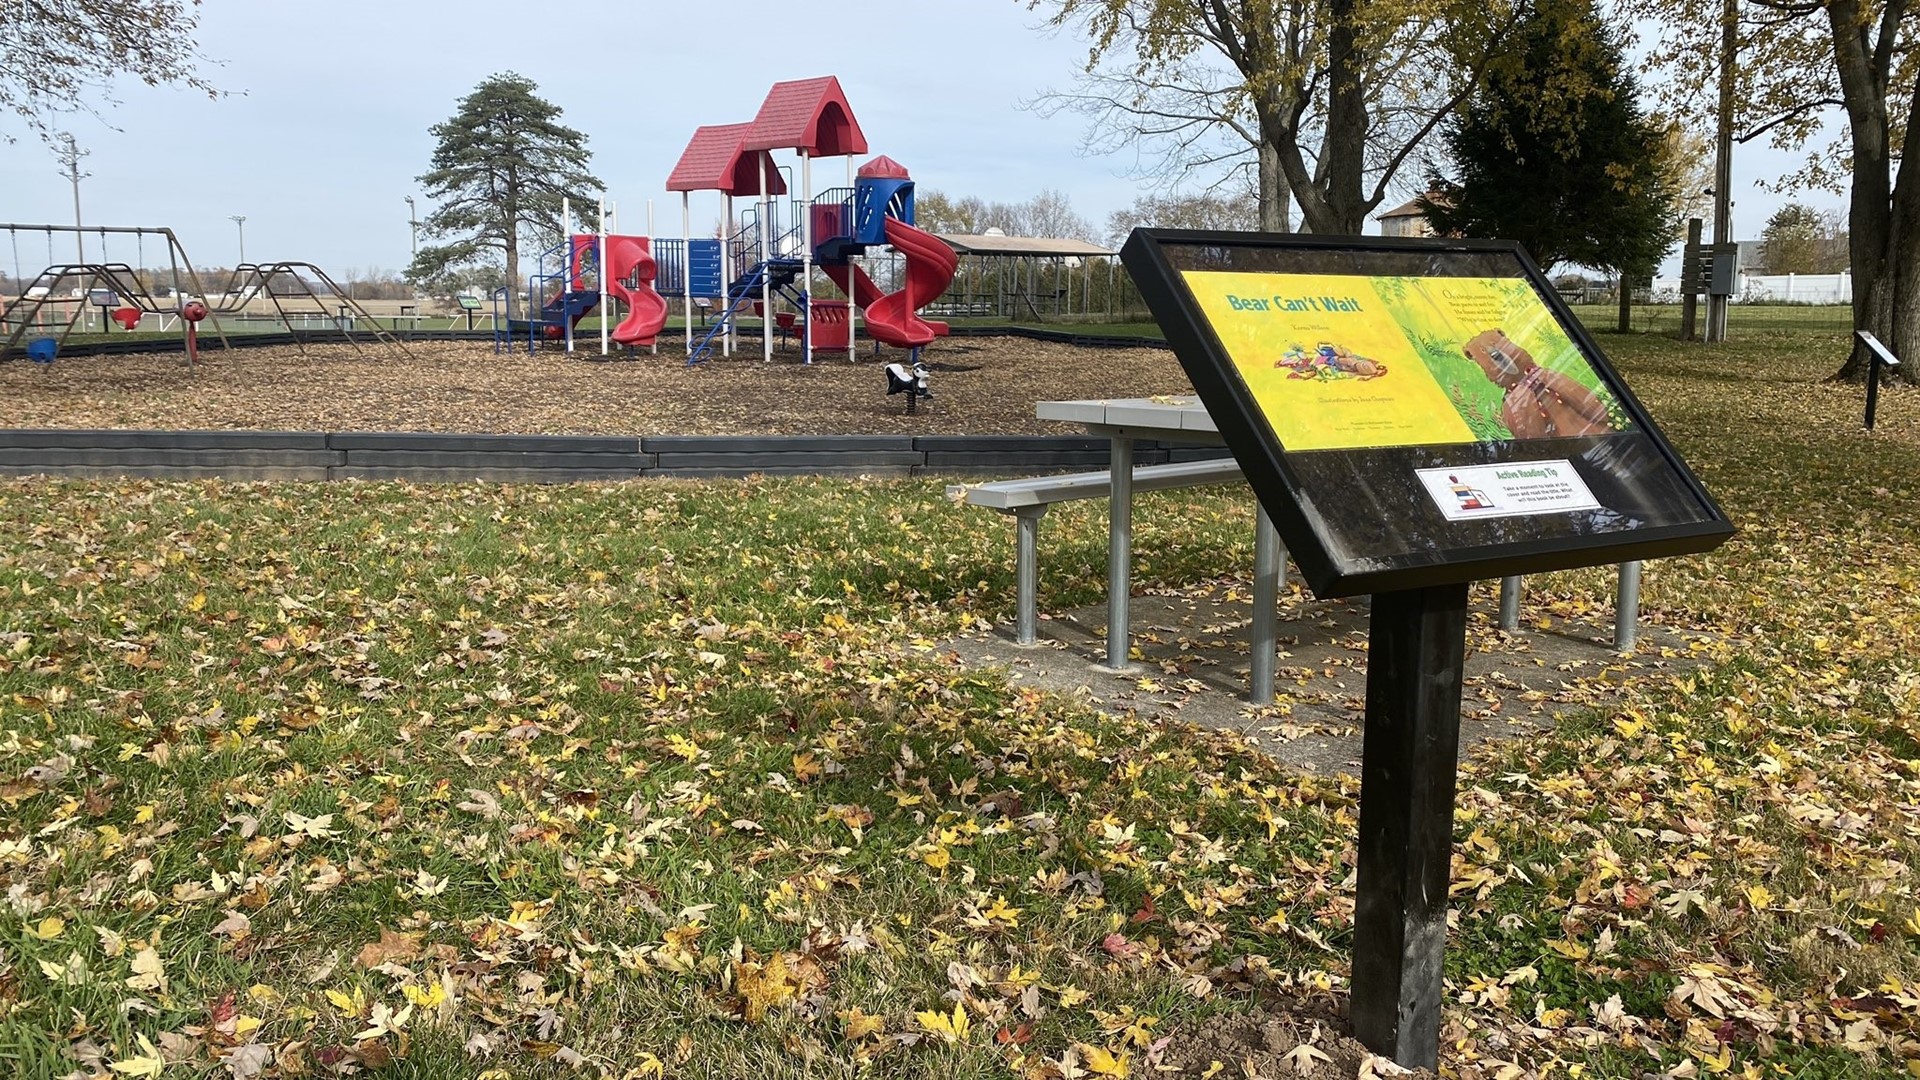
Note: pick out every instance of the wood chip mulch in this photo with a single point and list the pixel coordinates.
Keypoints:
(981, 386)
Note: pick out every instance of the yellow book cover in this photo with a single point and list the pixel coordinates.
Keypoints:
(1343, 361)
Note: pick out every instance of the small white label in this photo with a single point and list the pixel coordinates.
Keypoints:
(1511, 490)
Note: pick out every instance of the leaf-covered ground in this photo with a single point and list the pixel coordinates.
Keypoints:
(667, 779)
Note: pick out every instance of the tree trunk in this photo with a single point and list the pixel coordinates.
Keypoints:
(1344, 147)
(1870, 224)
(1626, 304)
(1903, 248)
(1274, 216)
(513, 270)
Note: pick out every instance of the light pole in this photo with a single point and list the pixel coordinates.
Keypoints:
(240, 223)
(414, 222)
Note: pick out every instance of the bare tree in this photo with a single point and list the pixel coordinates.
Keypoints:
(1049, 214)
(1323, 100)
(1176, 211)
(64, 57)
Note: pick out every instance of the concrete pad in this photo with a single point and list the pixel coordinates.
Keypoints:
(1190, 663)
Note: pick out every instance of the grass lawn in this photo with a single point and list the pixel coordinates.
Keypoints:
(671, 779)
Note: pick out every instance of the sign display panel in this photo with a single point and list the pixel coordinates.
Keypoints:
(1417, 412)
(1348, 361)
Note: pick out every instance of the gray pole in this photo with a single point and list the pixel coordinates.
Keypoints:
(1723, 162)
(240, 222)
(1119, 549)
(1510, 603)
(1626, 611)
(413, 221)
(1269, 570)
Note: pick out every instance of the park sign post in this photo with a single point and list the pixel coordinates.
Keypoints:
(1415, 415)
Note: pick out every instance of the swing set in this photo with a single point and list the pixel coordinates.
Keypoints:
(288, 286)
(104, 284)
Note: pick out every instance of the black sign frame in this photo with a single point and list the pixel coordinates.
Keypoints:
(1271, 469)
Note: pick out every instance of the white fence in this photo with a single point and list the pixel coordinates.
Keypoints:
(1774, 289)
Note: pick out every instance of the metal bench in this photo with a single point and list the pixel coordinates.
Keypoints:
(1029, 499)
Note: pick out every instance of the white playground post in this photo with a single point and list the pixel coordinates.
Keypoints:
(766, 277)
(686, 261)
(655, 350)
(727, 226)
(566, 283)
(600, 278)
(852, 223)
(805, 209)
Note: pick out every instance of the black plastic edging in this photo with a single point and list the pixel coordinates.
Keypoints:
(245, 340)
(432, 456)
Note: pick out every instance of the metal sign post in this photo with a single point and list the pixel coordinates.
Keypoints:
(1879, 356)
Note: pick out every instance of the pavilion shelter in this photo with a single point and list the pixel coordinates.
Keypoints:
(1038, 277)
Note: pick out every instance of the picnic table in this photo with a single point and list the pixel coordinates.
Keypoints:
(1185, 419)
(1179, 419)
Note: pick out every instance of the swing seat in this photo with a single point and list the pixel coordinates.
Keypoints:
(128, 317)
(42, 350)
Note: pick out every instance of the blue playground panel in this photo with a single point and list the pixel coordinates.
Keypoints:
(704, 257)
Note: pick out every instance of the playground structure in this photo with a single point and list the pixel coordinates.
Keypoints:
(66, 290)
(772, 255)
(575, 286)
(767, 257)
(288, 286)
(56, 301)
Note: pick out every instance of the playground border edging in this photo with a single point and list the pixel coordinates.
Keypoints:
(436, 457)
(241, 340)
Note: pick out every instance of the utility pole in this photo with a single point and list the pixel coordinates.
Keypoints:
(240, 223)
(70, 155)
(1723, 168)
(414, 222)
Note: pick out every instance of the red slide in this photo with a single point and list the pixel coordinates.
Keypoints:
(646, 309)
(893, 318)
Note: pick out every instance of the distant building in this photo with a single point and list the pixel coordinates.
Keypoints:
(1407, 219)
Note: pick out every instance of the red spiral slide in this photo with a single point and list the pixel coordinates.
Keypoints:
(893, 318)
(628, 256)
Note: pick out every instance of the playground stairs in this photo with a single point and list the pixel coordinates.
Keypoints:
(777, 274)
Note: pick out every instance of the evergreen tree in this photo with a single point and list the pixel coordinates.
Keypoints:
(1554, 152)
(502, 164)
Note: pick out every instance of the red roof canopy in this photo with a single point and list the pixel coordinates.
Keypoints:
(883, 168)
(715, 160)
(810, 115)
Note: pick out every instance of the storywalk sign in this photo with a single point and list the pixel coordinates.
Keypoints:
(1415, 415)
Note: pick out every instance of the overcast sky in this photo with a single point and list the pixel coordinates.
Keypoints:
(326, 124)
